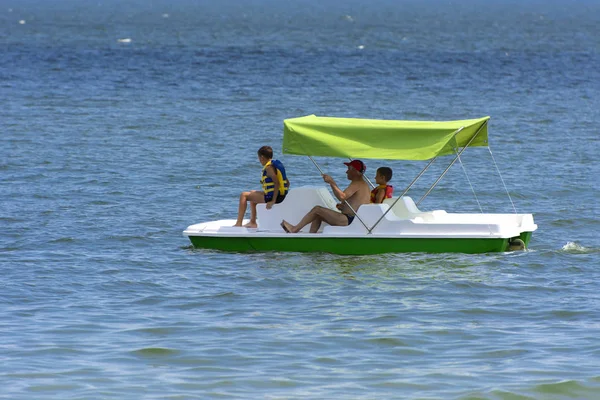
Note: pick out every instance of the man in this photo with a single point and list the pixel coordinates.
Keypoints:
(275, 187)
(356, 194)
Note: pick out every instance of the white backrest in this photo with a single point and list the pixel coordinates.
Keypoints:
(370, 213)
(298, 202)
(405, 208)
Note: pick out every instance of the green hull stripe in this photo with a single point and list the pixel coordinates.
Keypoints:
(354, 246)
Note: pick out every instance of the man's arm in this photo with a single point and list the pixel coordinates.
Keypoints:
(341, 195)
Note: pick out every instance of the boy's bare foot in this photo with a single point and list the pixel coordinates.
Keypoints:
(251, 225)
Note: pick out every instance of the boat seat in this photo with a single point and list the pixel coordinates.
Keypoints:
(403, 214)
(405, 208)
(369, 214)
(297, 203)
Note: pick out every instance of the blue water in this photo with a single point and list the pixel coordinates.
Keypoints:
(123, 122)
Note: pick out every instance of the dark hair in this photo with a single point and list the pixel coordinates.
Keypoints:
(385, 172)
(266, 152)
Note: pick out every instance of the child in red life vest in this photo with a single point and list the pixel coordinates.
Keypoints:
(383, 191)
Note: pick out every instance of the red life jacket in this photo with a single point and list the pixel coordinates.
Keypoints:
(389, 192)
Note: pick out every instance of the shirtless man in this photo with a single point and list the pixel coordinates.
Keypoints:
(357, 193)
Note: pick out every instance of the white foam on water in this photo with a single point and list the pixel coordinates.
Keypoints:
(573, 247)
(124, 40)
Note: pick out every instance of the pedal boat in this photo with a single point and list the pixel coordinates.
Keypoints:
(397, 225)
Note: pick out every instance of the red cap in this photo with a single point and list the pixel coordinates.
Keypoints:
(357, 165)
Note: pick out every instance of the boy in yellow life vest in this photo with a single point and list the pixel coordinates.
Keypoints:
(275, 187)
(383, 191)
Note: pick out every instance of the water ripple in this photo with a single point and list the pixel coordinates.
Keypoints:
(109, 150)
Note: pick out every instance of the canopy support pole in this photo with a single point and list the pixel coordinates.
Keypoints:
(501, 179)
(316, 165)
(409, 186)
(452, 163)
(348, 204)
(419, 176)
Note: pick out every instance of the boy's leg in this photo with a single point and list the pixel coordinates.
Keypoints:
(252, 223)
(253, 196)
(253, 203)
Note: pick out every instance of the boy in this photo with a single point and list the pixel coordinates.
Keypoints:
(275, 187)
(383, 191)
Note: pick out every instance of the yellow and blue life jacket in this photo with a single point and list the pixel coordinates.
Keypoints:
(268, 184)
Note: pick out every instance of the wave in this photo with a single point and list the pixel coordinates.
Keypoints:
(155, 352)
(568, 388)
(575, 248)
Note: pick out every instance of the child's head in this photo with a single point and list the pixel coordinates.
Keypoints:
(265, 153)
(383, 175)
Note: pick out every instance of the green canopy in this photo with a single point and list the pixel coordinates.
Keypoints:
(379, 139)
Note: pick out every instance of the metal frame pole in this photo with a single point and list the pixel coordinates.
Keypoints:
(452, 163)
(409, 186)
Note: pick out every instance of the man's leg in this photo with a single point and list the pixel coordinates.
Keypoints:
(315, 225)
(254, 196)
(315, 217)
(333, 218)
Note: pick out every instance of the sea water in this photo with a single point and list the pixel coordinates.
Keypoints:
(123, 122)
